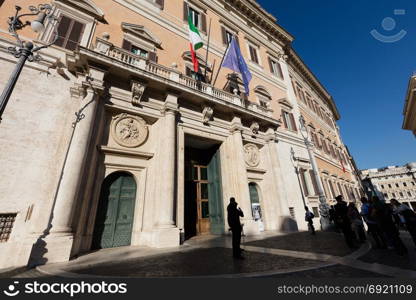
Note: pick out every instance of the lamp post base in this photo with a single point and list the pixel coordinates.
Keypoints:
(326, 224)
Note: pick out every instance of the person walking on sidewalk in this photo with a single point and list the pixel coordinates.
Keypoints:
(372, 225)
(342, 220)
(309, 219)
(357, 222)
(407, 215)
(234, 214)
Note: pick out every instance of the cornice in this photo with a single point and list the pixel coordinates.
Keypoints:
(256, 14)
(298, 65)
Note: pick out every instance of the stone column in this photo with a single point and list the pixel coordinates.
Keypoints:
(166, 233)
(240, 178)
(280, 197)
(59, 241)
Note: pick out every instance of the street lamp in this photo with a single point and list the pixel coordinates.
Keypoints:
(323, 205)
(26, 50)
(293, 158)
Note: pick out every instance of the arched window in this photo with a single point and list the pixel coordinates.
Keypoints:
(263, 96)
(255, 201)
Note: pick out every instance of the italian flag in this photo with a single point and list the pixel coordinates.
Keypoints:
(195, 42)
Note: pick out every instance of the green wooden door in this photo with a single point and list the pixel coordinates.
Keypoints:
(216, 209)
(115, 213)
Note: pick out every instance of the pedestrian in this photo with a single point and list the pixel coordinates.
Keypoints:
(342, 220)
(357, 222)
(372, 225)
(384, 218)
(407, 216)
(309, 219)
(234, 214)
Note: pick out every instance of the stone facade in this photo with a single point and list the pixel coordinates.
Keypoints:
(398, 182)
(409, 111)
(108, 124)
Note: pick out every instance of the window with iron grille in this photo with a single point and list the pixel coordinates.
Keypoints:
(6, 226)
(292, 213)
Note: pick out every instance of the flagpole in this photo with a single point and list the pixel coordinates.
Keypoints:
(206, 58)
(222, 60)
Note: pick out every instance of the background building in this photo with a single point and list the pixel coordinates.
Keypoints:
(392, 182)
(112, 140)
(409, 111)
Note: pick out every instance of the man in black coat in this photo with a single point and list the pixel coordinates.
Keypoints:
(342, 220)
(234, 214)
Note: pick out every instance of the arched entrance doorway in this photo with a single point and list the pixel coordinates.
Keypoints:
(115, 213)
(255, 204)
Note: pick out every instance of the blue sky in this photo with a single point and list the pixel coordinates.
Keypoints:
(367, 78)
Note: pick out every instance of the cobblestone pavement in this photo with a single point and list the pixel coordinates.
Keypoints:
(331, 243)
(284, 256)
(199, 262)
(390, 258)
(337, 271)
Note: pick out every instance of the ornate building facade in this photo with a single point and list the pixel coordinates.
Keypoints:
(393, 182)
(112, 140)
(409, 111)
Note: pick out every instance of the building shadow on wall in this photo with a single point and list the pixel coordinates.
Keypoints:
(289, 225)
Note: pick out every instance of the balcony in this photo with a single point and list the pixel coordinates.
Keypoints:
(171, 76)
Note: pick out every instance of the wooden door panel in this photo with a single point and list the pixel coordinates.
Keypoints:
(215, 196)
(115, 213)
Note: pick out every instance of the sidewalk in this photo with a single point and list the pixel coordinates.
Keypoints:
(292, 255)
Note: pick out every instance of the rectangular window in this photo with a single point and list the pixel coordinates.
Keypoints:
(161, 3)
(314, 183)
(253, 54)
(69, 33)
(198, 18)
(275, 68)
(227, 36)
(127, 45)
(289, 121)
(292, 213)
(404, 184)
(315, 212)
(6, 226)
(304, 185)
(264, 102)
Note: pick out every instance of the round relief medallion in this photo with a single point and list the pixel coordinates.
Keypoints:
(129, 131)
(252, 155)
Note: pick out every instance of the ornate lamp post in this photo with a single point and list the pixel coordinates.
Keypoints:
(26, 50)
(323, 205)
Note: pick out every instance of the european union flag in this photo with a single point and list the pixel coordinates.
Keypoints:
(234, 60)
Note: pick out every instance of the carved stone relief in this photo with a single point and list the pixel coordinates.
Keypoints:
(252, 155)
(207, 113)
(137, 90)
(129, 131)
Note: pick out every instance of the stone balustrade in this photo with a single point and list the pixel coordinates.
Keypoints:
(105, 47)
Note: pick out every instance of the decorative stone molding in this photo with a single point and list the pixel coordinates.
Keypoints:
(254, 127)
(207, 113)
(86, 5)
(129, 131)
(137, 90)
(142, 32)
(251, 155)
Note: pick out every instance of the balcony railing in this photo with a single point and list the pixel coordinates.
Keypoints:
(105, 47)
